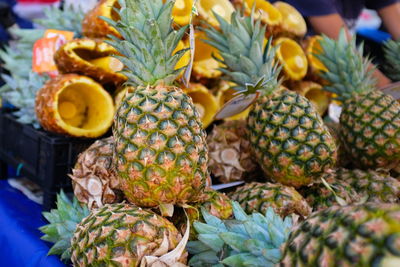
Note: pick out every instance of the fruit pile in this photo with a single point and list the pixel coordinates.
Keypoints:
(314, 194)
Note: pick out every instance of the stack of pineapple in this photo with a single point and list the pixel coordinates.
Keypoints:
(145, 191)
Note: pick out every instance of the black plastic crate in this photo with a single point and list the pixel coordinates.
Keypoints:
(44, 158)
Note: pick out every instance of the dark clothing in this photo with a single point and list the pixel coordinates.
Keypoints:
(348, 9)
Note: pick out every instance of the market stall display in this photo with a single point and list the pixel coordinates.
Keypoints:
(206, 137)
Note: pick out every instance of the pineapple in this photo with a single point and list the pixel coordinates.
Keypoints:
(182, 11)
(205, 102)
(313, 92)
(230, 152)
(74, 105)
(293, 23)
(312, 48)
(357, 235)
(265, 11)
(370, 120)
(378, 186)
(258, 197)
(94, 180)
(248, 240)
(21, 93)
(93, 26)
(287, 135)
(118, 234)
(392, 56)
(292, 58)
(207, 8)
(160, 146)
(91, 58)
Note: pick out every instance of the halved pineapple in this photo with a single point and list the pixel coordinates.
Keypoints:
(182, 11)
(205, 9)
(204, 65)
(292, 24)
(313, 47)
(204, 101)
(264, 10)
(313, 92)
(226, 93)
(292, 58)
(74, 105)
(92, 58)
(94, 27)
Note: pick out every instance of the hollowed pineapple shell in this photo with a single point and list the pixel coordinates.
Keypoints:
(205, 9)
(204, 101)
(91, 58)
(94, 27)
(74, 105)
(292, 24)
(292, 58)
(226, 93)
(313, 92)
(313, 47)
(182, 11)
(204, 65)
(184, 61)
(264, 10)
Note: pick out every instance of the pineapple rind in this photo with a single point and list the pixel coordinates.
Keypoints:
(122, 234)
(356, 235)
(46, 107)
(94, 167)
(69, 62)
(161, 154)
(258, 197)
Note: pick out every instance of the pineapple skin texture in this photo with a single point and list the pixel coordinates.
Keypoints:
(160, 147)
(69, 62)
(46, 106)
(258, 197)
(289, 139)
(94, 168)
(121, 234)
(359, 236)
(370, 130)
(95, 27)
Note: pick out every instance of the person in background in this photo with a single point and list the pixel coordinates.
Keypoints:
(330, 16)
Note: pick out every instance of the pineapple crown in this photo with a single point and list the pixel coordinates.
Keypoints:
(247, 240)
(248, 62)
(62, 225)
(21, 93)
(391, 50)
(148, 42)
(348, 71)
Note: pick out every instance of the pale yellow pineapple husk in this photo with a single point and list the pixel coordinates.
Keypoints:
(94, 180)
(230, 153)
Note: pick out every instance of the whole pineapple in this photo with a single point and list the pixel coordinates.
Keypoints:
(258, 197)
(160, 147)
(370, 120)
(247, 240)
(377, 186)
(94, 180)
(230, 152)
(391, 50)
(117, 234)
(360, 235)
(287, 134)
